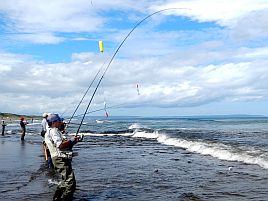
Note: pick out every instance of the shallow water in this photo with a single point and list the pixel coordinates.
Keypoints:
(163, 159)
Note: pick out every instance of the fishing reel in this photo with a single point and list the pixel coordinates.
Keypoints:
(81, 138)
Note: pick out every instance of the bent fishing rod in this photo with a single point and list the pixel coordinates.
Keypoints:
(112, 58)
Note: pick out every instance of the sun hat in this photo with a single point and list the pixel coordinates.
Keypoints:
(45, 114)
(54, 117)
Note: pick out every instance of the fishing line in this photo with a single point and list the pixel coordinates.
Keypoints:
(81, 101)
(96, 88)
(84, 95)
(110, 107)
(68, 108)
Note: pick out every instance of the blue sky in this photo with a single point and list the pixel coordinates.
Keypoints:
(205, 57)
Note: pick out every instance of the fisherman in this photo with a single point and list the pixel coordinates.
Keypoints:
(23, 127)
(44, 124)
(61, 153)
(3, 127)
(44, 127)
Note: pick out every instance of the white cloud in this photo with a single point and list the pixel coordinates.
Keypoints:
(40, 38)
(224, 12)
(4, 68)
(43, 20)
(253, 53)
(54, 16)
(244, 19)
(252, 26)
(162, 83)
(40, 20)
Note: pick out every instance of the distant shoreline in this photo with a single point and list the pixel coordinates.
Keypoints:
(8, 116)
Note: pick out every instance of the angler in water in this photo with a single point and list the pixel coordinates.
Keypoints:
(23, 128)
(61, 154)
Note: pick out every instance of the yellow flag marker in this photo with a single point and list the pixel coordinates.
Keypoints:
(101, 46)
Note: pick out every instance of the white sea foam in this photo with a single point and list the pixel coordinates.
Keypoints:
(99, 121)
(217, 150)
(31, 124)
(126, 134)
(95, 134)
(143, 134)
(12, 124)
(135, 126)
(103, 134)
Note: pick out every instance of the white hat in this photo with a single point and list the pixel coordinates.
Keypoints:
(45, 115)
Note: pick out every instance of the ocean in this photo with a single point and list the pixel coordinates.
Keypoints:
(129, 158)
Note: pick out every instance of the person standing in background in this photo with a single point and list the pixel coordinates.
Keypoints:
(3, 127)
(23, 128)
(44, 125)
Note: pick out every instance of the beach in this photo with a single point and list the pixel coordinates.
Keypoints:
(145, 159)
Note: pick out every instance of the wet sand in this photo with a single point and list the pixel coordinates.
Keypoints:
(106, 168)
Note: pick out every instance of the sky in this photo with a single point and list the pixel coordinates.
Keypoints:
(194, 57)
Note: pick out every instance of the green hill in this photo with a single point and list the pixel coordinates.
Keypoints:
(17, 116)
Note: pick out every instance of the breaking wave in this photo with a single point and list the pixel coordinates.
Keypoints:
(217, 150)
